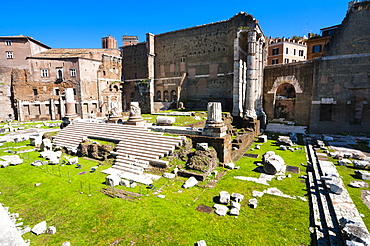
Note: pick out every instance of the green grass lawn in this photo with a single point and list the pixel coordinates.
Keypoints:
(101, 220)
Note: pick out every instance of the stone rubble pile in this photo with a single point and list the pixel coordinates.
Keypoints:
(233, 200)
(11, 160)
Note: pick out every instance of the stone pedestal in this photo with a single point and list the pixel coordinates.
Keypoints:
(135, 115)
(215, 127)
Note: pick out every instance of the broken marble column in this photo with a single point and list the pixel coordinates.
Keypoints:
(214, 127)
(135, 114)
(190, 182)
(272, 163)
(70, 103)
(39, 228)
(112, 180)
(221, 209)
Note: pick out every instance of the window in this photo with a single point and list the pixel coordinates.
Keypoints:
(57, 92)
(316, 48)
(286, 60)
(9, 54)
(59, 73)
(182, 59)
(275, 51)
(44, 73)
(275, 61)
(34, 92)
(301, 53)
(294, 52)
(286, 50)
(73, 72)
(294, 60)
(8, 42)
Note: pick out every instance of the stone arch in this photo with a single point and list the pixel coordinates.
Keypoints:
(285, 89)
(291, 79)
(166, 97)
(173, 96)
(159, 95)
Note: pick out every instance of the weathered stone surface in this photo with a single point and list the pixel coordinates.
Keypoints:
(235, 205)
(344, 162)
(237, 197)
(284, 140)
(165, 120)
(112, 180)
(253, 202)
(190, 183)
(51, 230)
(224, 197)
(359, 184)
(272, 163)
(234, 211)
(262, 138)
(169, 175)
(39, 228)
(73, 160)
(201, 243)
(202, 146)
(46, 145)
(364, 175)
(221, 209)
(230, 165)
(124, 182)
(360, 164)
(204, 161)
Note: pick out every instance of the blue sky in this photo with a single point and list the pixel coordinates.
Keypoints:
(82, 24)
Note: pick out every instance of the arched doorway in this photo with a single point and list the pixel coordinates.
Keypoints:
(285, 101)
(173, 96)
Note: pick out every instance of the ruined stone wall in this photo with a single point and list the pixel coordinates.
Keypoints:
(135, 62)
(342, 89)
(221, 145)
(5, 93)
(197, 64)
(341, 96)
(300, 75)
(353, 35)
(206, 54)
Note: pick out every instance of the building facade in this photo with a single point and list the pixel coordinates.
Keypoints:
(316, 45)
(14, 50)
(284, 50)
(217, 62)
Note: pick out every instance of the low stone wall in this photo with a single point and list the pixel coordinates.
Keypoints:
(222, 145)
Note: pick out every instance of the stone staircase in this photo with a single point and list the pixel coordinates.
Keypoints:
(137, 147)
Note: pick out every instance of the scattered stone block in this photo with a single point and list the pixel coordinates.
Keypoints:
(165, 120)
(359, 184)
(364, 175)
(224, 197)
(4, 164)
(169, 175)
(257, 193)
(73, 161)
(262, 139)
(25, 230)
(201, 242)
(253, 202)
(272, 163)
(51, 230)
(234, 211)
(36, 163)
(258, 147)
(282, 147)
(190, 182)
(133, 185)
(39, 228)
(237, 197)
(35, 140)
(360, 164)
(335, 187)
(344, 162)
(161, 196)
(124, 182)
(66, 244)
(221, 209)
(230, 165)
(175, 171)
(202, 146)
(112, 180)
(37, 184)
(235, 205)
(284, 140)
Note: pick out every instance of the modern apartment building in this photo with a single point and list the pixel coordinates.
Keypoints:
(285, 50)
